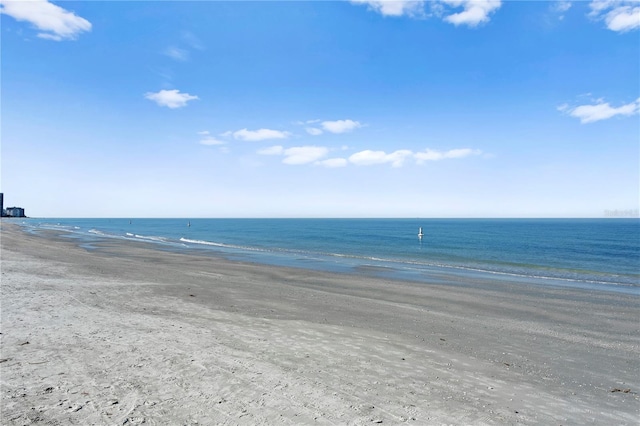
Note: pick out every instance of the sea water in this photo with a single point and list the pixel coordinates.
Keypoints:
(580, 253)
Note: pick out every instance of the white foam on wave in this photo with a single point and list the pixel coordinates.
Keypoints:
(229, 246)
(206, 243)
(151, 238)
(57, 227)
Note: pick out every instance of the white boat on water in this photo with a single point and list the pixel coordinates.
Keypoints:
(420, 234)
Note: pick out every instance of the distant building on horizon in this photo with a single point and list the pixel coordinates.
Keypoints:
(14, 212)
(10, 211)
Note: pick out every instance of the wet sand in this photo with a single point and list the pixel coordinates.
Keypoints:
(127, 334)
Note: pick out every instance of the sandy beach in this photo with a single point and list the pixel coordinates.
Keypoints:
(124, 334)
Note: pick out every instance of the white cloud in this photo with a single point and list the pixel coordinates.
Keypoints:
(433, 155)
(316, 154)
(600, 111)
(333, 163)
(176, 53)
(340, 126)
(623, 19)
(170, 98)
(183, 53)
(619, 15)
(274, 150)
(475, 11)
(560, 7)
(259, 135)
(210, 140)
(192, 40)
(318, 127)
(461, 152)
(368, 157)
(302, 123)
(394, 7)
(56, 22)
(304, 154)
(298, 154)
(398, 158)
(226, 134)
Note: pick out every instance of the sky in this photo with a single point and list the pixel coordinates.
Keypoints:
(368, 108)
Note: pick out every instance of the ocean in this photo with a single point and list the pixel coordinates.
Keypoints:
(594, 254)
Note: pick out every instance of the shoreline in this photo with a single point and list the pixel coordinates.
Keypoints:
(264, 344)
(379, 268)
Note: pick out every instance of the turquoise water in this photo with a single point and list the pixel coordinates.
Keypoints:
(588, 253)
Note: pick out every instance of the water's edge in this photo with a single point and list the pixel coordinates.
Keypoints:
(86, 232)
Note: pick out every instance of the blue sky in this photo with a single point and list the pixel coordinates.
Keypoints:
(451, 108)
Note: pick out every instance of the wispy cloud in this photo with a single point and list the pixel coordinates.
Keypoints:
(368, 157)
(303, 123)
(177, 53)
(560, 8)
(340, 126)
(55, 22)
(316, 155)
(434, 155)
(318, 127)
(619, 15)
(272, 150)
(192, 40)
(207, 139)
(304, 154)
(474, 12)
(181, 50)
(600, 110)
(333, 163)
(211, 141)
(400, 157)
(298, 154)
(170, 98)
(394, 7)
(259, 135)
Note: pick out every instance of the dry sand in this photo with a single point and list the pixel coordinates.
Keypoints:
(126, 334)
